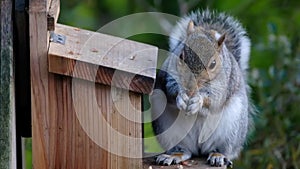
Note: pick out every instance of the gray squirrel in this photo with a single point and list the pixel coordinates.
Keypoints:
(200, 104)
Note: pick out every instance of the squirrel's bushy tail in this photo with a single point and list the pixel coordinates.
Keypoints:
(237, 41)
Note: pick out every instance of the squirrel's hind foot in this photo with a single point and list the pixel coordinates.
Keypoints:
(173, 157)
(219, 160)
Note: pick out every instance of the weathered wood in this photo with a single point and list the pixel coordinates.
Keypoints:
(81, 121)
(7, 100)
(53, 14)
(195, 163)
(68, 131)
(40, 103)
(104, 59)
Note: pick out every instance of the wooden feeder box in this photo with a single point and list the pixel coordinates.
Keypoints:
(86, 94)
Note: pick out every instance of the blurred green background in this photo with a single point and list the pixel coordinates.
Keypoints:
(274, 75)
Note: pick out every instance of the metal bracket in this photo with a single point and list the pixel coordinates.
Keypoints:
(57, 38)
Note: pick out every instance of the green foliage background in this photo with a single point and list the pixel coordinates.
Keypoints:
(273, 26)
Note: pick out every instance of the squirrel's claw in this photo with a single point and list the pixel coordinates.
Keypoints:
(181, 101)
(164, 159)
(174, 156)
(219, 160)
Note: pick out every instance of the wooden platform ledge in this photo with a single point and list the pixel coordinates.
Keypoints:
(195, 163)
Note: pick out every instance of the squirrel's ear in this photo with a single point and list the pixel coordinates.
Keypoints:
(221, 40)
(191, 27)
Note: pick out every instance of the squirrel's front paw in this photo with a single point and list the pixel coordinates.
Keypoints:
(194, 105)
(181, 100)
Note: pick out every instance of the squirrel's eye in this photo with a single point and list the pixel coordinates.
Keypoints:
(181, 56)
(212, 64)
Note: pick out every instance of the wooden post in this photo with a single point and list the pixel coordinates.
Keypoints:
(7, 102)
(39, 82)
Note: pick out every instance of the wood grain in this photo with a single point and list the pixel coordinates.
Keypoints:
(80, 139)
(39, 83)
(104, 59)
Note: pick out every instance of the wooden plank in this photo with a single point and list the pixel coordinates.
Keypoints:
(39, 83)
(53, 14)
(7, 99)
(126, 120)
(195, 163)
(118, 110)
(80, 137)
(104, 59)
